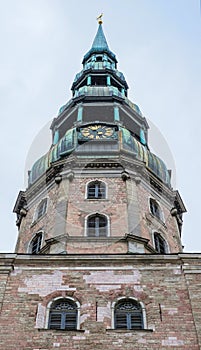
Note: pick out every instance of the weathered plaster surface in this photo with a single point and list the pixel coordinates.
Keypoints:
(44, 284)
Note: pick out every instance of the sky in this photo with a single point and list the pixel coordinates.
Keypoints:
(157, 44)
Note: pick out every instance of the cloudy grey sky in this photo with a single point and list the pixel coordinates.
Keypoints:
(157, 43)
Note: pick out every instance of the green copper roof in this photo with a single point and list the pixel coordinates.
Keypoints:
(100, 41)
(99, 45)
(69, 143)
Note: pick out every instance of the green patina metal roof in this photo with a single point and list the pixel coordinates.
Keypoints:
(69, 142)
(100, 41)
(100, 45)
(128, 142)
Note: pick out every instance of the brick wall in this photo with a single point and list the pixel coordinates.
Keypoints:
(170, 296)
(126, 206)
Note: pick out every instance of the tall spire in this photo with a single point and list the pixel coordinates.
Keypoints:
(100, 44)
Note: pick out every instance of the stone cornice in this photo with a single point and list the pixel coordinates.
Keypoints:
(190, 262)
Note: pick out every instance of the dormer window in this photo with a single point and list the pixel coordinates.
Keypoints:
(155, 209)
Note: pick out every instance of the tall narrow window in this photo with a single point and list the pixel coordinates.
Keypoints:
(97, 226)
(36, 242)
(155, 209)
(160, 243)
(128, 315)
(41, 209)
(63, 315)
(96, 190)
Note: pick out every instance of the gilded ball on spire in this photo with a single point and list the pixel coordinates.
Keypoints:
(99, 18)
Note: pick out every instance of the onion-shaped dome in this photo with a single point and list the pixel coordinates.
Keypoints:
(39, 168)
(152, 162)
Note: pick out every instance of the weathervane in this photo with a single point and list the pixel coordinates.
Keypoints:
(99, 18)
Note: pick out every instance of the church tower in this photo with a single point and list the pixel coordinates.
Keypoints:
(99, 189)
(99, 260)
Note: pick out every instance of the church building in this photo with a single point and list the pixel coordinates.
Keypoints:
(99, 261)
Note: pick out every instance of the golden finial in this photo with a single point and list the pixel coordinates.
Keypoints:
(99, 18)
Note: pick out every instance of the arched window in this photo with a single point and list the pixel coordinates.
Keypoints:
(128, 315)
(41, 209)
(35, 244)
(96, 190)
(63, 315)
(97, 226)
(160, 243)
(155, 209)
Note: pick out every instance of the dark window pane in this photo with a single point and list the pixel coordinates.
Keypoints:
(96, 190)
(128, 315)
(155, 209)
(63, 315)
(41, 210)
(36, 244)
(121, 321)
(160, 244)
(97, 226)
(55, 320)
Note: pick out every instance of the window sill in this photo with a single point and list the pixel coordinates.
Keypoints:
(36, 221)
(158, 220)
(61, 330)
(96, 199)
(118, 330)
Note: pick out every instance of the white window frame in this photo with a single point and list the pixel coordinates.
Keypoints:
(29, 250)
(49, 305)
(86, 226)
(98, 199)
(35, 217)
(162, 218)
(165, 240)
(134, 300)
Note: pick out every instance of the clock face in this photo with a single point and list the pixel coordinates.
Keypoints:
(97, 132)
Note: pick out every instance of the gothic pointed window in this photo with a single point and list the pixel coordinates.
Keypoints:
(36, 243)
(96, 190)
(160, 243)
(97, 226)
(128, 315)
(155, 209)
(63, 315)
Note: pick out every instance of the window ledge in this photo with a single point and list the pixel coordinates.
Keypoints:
(96, 199)
(61, 330)
(158, 220)
(129, 330)
(37, 220)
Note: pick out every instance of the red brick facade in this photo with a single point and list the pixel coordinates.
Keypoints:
(126, 206)
(167, 286)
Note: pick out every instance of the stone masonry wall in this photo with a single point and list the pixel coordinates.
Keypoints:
(126, 206)
(149, 224)
(96, 282)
